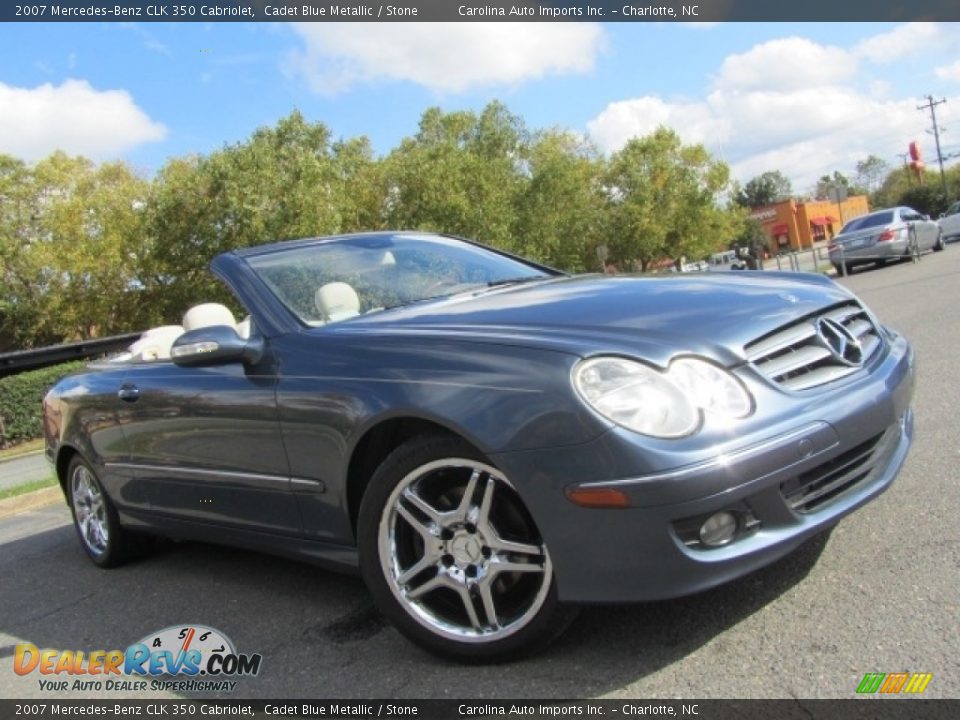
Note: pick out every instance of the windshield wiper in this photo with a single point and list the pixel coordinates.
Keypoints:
(517, 280)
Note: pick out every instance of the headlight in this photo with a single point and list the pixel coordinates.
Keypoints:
(710, 387)
(636, 397)
(660, 404)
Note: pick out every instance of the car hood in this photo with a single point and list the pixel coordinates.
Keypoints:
(709, 314)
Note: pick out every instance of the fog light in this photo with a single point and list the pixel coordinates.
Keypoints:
(719, 529)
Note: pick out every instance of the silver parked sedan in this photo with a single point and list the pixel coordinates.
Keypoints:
(884, 235)
(949, 222)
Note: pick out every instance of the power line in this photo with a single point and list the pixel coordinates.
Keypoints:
(931, 106)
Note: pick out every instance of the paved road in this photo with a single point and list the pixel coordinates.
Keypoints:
(879, 594)
(24, 469)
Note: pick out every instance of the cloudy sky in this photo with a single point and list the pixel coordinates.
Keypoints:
(803, 99)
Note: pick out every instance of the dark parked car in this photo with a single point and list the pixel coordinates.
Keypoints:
(489, 441)
(884, 235)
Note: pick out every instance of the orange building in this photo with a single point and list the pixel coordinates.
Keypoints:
(791, 225)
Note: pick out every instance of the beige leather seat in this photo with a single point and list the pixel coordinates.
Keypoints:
(337, 301)
(155, 343)
(243, 328)
(208, 315)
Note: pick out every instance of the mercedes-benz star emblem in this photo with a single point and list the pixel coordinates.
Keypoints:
(841, 343)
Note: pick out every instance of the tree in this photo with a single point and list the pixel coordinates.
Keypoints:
(664, 201)
(560, 208)
(927, 199)
(765, 189)
(282, 183)
(68, 233)
(361, 186)
(461, 174)
(871, 171)
(827, 183)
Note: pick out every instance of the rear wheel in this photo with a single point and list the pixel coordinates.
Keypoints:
(106, 543)
(453, 557)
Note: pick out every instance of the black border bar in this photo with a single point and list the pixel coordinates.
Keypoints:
(861, 708)
(490, 10)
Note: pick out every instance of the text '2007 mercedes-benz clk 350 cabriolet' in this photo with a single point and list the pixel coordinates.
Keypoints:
(488, 440)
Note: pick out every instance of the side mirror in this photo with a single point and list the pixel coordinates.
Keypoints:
(215, 345)
(925, 217)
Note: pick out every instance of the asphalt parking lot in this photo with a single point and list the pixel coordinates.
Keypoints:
(878, 594)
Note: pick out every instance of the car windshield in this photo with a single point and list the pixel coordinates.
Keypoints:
(335, 280)
(868, 221)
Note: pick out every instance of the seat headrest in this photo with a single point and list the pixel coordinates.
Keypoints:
(337, 301)
(208, 315)
(155, 343)
(243, 328)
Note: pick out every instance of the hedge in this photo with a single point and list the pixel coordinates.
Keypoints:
(20, 397)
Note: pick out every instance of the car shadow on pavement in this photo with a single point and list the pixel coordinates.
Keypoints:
(318, 633)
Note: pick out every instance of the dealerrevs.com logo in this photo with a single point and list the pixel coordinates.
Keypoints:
(199, 657)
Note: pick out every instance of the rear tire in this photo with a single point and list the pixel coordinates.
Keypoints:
(452, 556)
(105, 541)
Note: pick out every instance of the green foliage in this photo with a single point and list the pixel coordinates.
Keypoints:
(838, 180)
(69, 249)
(752, 237)
(765, 189)
(871, 171)
(928, 199)
(89, 250)
(461, 174)
(902, 187)
(664, 201)
(20, 397)
(560, 211)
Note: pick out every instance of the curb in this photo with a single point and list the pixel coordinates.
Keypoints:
(30, 501)
(20, 456)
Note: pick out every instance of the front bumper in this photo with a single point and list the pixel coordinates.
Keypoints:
(796, 472)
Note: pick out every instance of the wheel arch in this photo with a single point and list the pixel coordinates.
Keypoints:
(376, 443)
(65, 455)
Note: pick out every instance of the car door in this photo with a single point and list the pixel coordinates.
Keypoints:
(206, 443)
(87, 408)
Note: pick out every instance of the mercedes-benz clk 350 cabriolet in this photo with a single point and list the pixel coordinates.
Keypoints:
(489, 441)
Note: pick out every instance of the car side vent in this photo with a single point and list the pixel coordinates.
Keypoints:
(819, 349)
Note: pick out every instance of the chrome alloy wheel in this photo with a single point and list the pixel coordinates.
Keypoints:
(89, 510)
(460, 552)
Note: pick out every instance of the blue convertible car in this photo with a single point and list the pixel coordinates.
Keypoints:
(489, 441)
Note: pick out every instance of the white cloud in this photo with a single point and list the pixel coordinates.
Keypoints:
(788, 104)
(620, 121)
(73, 117)
(445, 57)
(902, 41)
(949, 72)
(786, 63)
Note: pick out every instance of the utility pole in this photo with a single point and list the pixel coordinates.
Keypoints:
(906, 167)
(931, 106)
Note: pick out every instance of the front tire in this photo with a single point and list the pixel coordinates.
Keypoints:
(106, 543)
(939, 244)
(452, 556)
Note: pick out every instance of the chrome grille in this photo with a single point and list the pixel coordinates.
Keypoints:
(817, 488)
(799, 356)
